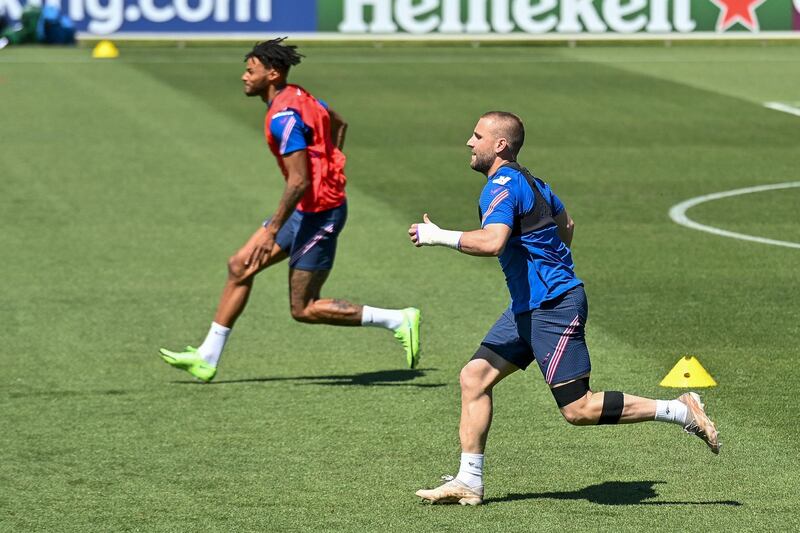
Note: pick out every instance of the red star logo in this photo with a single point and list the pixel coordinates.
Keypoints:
(733, 11)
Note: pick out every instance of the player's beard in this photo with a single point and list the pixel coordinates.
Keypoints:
(482, 162)
(255, 90)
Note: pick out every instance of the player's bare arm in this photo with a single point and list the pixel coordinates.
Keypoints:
(296, 184)
(488, 241)
(566, 227)
(338, 128)
(485, 242)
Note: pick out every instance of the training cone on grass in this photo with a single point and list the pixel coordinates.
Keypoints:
(105, 50)
(688, 373)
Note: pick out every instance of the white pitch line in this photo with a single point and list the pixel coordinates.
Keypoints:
(678, 213)
(777, 106)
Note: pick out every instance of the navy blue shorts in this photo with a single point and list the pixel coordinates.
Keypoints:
(552, 334)
(310, 238)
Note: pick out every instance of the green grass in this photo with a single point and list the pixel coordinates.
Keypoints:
(126, 184)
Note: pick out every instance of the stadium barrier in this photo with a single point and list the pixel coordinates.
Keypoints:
(445, 20)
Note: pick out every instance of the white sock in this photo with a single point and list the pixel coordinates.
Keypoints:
(215, 341)
(471, 471)
(671, 411)
(385, 318)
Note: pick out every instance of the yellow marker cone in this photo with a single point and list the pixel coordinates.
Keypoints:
(688, 373)
(105, 50)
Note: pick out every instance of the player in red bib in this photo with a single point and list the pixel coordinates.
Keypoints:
(306, 137)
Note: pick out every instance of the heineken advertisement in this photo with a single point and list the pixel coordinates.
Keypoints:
(558, 16)
(426, 17)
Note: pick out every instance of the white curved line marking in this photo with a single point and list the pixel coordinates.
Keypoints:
(678, 213)
(786, 108)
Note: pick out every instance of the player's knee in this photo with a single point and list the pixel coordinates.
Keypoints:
(578, 413)
(299, 313)
(576, 417)
(237, 271)
(573, 400)
(471, 379)
(304, 313)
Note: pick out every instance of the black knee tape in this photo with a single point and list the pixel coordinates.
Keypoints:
(566, 394)
(613, 402)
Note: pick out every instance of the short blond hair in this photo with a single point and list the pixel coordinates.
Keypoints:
(510, 127)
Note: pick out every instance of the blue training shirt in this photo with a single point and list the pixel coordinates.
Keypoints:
(538, 265)
(289, 128)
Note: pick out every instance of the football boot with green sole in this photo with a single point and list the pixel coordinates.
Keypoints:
(408, 335)
(191, 362)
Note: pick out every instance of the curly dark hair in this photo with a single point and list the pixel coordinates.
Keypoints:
(273, 54)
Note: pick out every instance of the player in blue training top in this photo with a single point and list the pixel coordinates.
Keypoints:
(526, 226)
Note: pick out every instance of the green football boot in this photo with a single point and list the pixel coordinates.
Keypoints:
(191, 362)
(408, 335)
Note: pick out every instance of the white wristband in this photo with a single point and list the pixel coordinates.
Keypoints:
(433, 235)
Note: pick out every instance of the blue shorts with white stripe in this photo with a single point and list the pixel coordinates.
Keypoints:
(553, 335)
(310, 238)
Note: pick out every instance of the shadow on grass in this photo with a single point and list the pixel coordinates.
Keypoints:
(381, 378)
(55, 394)
(611, 493)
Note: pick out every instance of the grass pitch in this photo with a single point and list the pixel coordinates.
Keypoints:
(127, 183)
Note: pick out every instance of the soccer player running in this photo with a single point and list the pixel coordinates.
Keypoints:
(526, 226)
(306, 137)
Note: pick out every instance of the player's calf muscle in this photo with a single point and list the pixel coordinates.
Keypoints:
(325, 311)
(329, 311)
(608, 407)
